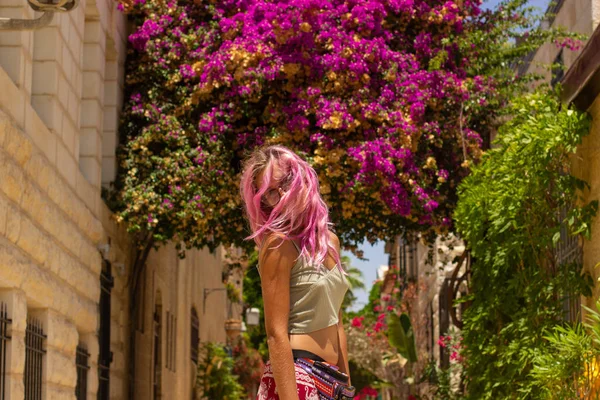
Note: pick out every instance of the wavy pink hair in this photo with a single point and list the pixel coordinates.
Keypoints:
(300, 214)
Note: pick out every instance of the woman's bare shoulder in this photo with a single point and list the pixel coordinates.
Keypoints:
(275, 244)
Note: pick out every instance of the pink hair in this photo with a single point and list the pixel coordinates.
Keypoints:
(300, 214)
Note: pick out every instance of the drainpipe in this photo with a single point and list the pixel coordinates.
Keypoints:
(47, 7)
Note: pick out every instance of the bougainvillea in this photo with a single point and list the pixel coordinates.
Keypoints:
(390, 100)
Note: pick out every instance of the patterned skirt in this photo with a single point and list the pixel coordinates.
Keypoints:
(305, 382)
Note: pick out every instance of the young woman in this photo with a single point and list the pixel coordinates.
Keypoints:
(303, 282)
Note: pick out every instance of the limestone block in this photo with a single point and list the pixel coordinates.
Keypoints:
(39, 285)
(63, 91)
(69, 133)
(15, 387)
(11, 101)
(45, 77)
(74, 103)
(93, 85)
(12, 180)
(47, 45)
(90, 114)
(75, 42)
(111, 90)
(5, 123)
(66, 165)
(85, 314)
(13, 265)
(3, 216)
(93, 56)
(90, 142)
(13, 224)
(112, 70)
(38, 170)
(49, 111)
(40, 135)
(110, 122)
(109, 143)
(62, 334)
(11, 60)
(109, 169)
(33, 203)
(86, 191)
(17, 145)
(54, 392)
(11, 38)
(90, 168)
(15, 360)
(33, 241)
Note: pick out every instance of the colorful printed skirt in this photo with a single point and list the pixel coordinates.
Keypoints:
(305, 382)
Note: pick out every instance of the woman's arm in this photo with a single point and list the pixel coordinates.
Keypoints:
(276, 260)
(343, 354)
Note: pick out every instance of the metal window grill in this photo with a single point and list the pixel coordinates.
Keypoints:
(4, 338)
(82, 363)
(195, 335)
(569, 250)
(171, 341)
(105, 355)
(34, 354)
(157, 375)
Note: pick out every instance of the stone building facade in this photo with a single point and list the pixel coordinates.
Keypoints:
(64, 262)
(580, 16)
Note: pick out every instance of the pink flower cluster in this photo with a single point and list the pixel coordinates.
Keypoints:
(454, 345)
(367, 393)
(352, 77)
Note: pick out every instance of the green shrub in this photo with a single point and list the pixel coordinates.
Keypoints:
(508, 215)
(215, 379)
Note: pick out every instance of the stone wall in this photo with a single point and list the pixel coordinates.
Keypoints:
(60, 94)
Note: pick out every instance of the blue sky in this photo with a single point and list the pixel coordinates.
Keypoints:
(374, 254)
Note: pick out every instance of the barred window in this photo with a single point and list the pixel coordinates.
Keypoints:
(105, 355)
(82, 363)
(34, 355)
(157, 373)
(4, 338)
(569, 250)
(195, 335)
(171, 340)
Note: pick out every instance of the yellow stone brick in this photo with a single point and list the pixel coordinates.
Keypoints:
(13, 224)
(32, 203)
(3, 216)
(38, 169)
(13, 265)
(32, 241)
(4, 123)
(11, 182)
(17, 145)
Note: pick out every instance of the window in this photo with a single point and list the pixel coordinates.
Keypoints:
(105, 355)
(195, 335)
(171, 341)
(82, 364)
(157, 349)
(4, 338)
(34, 354)
(568, 250)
